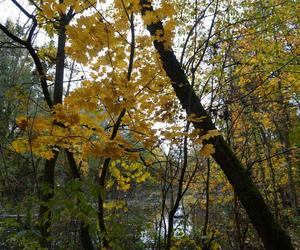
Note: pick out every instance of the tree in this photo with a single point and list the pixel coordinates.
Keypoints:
(104, 130)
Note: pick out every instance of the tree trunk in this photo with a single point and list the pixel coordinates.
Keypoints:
(206, 218)
(45, 213)
(50, 164)
(86, 241)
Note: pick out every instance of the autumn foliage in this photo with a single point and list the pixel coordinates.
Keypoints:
(151, 125)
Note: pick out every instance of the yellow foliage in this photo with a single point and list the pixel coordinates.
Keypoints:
(114, 205)
(207, 150)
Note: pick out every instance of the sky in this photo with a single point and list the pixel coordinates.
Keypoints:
(9, 10)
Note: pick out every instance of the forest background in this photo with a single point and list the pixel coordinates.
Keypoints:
(160, 124)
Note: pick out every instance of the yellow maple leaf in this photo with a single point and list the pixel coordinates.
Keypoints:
(207, 150)
(47, 154)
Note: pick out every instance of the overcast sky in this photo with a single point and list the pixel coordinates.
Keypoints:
(9, 10)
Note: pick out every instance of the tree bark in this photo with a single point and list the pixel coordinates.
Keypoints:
(45, 213)
(272, 235)
(50, 164)
(206, 218)
(86, 241)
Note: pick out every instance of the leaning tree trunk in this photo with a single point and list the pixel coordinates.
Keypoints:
(272, 235)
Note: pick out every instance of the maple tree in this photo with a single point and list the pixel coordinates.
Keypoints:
(105, 135)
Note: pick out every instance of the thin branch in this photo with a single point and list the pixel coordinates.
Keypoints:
(249, 167)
